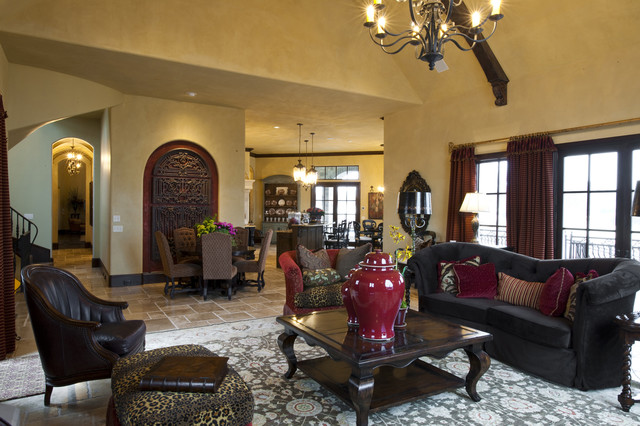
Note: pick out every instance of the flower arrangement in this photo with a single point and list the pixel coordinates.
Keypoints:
(210, 225)
(315, 211)
(400, 253)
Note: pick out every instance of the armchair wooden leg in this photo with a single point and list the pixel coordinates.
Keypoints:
(205, 287)
(260, 281)
(47, 395)
(166, 286)
(229, 288)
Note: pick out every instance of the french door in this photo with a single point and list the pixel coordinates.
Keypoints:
(340, 201)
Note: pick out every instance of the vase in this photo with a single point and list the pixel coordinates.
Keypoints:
(352, 317)
(401, 318)
(376, 293)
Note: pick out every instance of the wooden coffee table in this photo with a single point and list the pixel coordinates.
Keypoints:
(354, 365)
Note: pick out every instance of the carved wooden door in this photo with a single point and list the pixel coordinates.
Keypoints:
(180, 192)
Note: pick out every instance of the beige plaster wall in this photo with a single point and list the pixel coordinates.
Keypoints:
(4, 71)
(102, 195)
(39, 96)
(371, 173)
(140, 125)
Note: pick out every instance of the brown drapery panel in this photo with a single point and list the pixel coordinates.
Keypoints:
(7, 296)
(462, 180)
(530, 195)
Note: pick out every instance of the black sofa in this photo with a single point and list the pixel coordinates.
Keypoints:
(586, 354)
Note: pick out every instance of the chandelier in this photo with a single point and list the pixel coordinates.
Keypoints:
(73, 160)
(300, 173)
(431, 27)
(299, 170)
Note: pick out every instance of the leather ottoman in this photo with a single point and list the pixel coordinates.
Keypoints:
(231, 404)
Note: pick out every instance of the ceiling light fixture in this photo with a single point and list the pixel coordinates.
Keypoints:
(431, 27)
(299, 170)
(312, 174)
(73, 160)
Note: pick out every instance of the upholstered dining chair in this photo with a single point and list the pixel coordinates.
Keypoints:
(257, 266)
(172, 270)
(216, 261)
(184, 240)
(79, 336)
(241, 242)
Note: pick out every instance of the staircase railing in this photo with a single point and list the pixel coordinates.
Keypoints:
(24, 233)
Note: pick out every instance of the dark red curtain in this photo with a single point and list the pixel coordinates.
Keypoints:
(7, 296)
(530, 195)
(462, 180)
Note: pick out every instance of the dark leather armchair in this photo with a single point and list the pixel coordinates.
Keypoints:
(79, 336)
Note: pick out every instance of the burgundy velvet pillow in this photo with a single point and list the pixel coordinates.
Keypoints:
(476, 281)
(446, 276)
(555, 293)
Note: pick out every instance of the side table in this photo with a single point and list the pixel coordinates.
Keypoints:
(629, 325)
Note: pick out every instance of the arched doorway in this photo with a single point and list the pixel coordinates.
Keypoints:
(72, 182)
(180, 189)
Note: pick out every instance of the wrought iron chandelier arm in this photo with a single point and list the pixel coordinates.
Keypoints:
(458, 33)
(385, 46)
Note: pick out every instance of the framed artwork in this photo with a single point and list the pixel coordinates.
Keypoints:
(376, 205)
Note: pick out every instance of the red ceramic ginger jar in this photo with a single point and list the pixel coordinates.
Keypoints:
(352, 317)
(376, 293)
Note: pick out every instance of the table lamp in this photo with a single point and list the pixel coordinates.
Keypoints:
(414, 206)
(475, 203)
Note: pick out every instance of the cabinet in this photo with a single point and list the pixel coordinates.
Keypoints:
(280, 199)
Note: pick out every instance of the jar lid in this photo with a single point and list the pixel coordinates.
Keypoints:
(377, 259)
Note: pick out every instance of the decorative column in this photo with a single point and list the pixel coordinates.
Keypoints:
(248, 187)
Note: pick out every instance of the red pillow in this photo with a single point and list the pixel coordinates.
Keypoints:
(476, 281)
(555, 293)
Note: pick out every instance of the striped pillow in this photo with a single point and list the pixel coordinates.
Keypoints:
(519, 292)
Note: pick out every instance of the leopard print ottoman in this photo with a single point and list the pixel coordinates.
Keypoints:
(232, 404)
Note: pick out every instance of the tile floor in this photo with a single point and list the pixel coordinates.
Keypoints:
(85, 403)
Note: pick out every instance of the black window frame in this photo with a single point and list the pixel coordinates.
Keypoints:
(487, 158)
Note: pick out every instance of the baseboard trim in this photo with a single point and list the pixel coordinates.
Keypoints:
(125, 280)
(153, 278)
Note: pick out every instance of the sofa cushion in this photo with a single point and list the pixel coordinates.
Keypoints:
(310, 260)
(476, 281)
(519, 292)
(531, 324)
(570, 309)
(471, 309)
(555, 293)
(349, 258)
(447, 277)
(320, 277)
(319, 297)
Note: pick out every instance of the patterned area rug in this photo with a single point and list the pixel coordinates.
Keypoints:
(20, 377)
(508, 395)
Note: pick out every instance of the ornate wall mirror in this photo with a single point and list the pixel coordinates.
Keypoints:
(414, 182)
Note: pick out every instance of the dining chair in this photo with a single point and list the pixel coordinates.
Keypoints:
(368, 227)
(173, 271)
(241, 243)
(360, 238)
(216, 261)
(257, 266)
(338, 239)
(184, 241)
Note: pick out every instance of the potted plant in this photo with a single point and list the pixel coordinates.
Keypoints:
(315, 214)
(402, 315)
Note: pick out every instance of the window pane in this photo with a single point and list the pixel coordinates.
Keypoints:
(321, 172)
(576, 168)
(354, 172)
(488, 177)
(342, 172)
(503, 176)
(319, 193)
(604, 171)
(635, 244)
(602, 213)
(331, 172)
(574, 244)
(489, 218)
(502, 217)
(574, 211)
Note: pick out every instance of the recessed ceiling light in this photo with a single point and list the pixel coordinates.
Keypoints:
(329, 139)
(276, 127)
(349, 141)
(192, 94)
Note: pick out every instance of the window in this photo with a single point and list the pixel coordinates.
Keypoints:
(338, 172)
(492, 180)
(594, 190)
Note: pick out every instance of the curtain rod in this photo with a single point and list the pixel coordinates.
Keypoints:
(453, 146)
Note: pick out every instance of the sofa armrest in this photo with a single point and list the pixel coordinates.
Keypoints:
(624, 281)
(292, 276)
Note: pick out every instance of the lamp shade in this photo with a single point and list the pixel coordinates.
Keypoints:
(474, 202)
(635, 207)
(414, 203)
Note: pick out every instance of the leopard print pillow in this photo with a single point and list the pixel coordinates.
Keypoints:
(319, 297)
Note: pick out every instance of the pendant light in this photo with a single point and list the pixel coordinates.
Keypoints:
(299, 170)
(312, 174)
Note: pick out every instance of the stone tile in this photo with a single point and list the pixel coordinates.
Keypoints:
(177, 310)
(237, 316)
(160, 324)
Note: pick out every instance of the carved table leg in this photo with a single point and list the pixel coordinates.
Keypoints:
(479, 363)
(361, 392)
(285, 341)
(626, 397)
